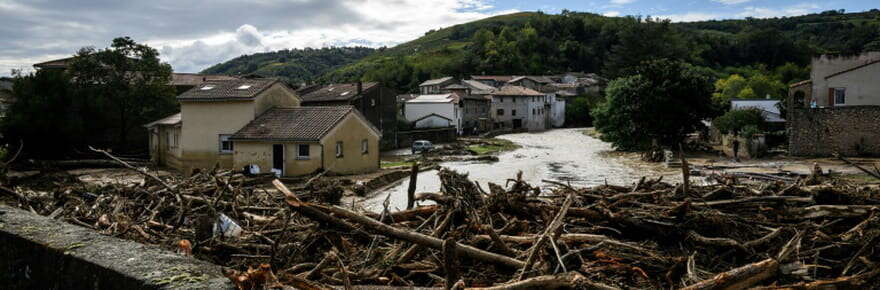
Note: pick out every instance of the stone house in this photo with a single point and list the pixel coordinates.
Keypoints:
(515, 107)
(493, 81)
(210, 114)
(838, 109)
(436, 86)
(374, 101)
(299, 141)
(532, 82)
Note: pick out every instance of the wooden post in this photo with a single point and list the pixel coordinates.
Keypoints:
(685, 171)
(411, 191)
(450, 261)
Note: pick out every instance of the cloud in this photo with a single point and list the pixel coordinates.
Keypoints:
(621, 2)
(732, 2)
(762, 12)
(192, 35)
(690, 17)
(611, 13)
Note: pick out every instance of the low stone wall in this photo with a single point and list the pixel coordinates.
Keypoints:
(41, 253)
(849, 131)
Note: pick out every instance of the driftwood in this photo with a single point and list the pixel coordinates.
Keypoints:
(740, 278)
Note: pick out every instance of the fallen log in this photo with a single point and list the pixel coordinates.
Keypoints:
(313, 212)
(739, 278)
(408, 215)
(418, 238)
(831, 211)
(859, 281)
(568, 280)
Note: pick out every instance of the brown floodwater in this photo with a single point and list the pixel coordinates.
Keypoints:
(564, 155)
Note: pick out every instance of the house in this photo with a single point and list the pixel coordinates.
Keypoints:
(532, 82)
(210, 114)
(478, 88)
(516, 107)
(401, 103)
(436, 86)
(435, 111)
(375, 102)
(494, 81)
(842, 81)
(837, 110)
(299, 141)
(768, 108)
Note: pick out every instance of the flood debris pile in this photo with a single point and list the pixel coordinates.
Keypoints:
(650, 235)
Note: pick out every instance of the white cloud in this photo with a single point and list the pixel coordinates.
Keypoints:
(611, 13)
(689, 17)
(732, 2)
(763, 12)
(193, 38)
(622, 2)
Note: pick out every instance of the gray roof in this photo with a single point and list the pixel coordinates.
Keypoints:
(436, 81)
(510, 90)
(334, 92)
(236, 89)
(456, 87)
(478, 88)
(170, 120)
(296, 124)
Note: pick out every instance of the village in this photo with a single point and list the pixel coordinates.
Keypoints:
(658, 175)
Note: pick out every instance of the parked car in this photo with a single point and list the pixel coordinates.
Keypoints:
(422, 146)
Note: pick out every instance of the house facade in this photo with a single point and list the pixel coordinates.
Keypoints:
(837, 111)
(428, 111)
(515, 107)
(375, 102)
(300, 141)
(210, 114)
(436, 86)
(845, 80)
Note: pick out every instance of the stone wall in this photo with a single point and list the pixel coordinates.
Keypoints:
(41, 253)
(850, 131)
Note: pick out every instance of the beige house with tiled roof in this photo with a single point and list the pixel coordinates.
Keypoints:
(299, 141)
(209, 114)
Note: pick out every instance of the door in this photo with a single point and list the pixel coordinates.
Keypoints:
(517, 123)
(278, 157)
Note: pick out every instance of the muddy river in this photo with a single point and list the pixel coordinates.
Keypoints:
(565, 155)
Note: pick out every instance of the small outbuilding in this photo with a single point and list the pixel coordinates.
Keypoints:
(300, 141)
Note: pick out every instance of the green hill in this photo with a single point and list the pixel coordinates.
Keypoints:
(292, 65)
(537, 43)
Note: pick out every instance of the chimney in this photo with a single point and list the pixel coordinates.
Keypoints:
(360, 87)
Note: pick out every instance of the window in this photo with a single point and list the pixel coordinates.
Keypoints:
(372, 102)
(500, 112)
(302, 152)
(244, 87)
(225, 144)
(513, 112)
(514, 99)
(339, 149)
(840, 96)
(364, 146)
(534, 112)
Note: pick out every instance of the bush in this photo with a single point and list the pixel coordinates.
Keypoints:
(736, 121)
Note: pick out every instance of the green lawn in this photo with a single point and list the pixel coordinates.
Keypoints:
(389, 164)
(493, 146)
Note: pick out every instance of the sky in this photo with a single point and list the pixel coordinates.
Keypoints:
(192, 35)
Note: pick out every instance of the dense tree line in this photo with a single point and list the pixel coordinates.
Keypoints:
(103, 99)
(538, 43)
(295, 66)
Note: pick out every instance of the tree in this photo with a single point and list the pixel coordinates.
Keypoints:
(130, 80)
(660, 101)
(734, 121)
(758, 86)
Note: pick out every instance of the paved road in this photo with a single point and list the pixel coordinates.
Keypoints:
(563, 155)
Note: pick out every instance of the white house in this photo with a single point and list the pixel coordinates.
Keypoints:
(429, 111)
(768, 108)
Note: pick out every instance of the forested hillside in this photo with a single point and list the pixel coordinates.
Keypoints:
(537, 43)
(292, 65)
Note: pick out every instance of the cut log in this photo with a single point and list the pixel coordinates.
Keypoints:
(740, 278)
